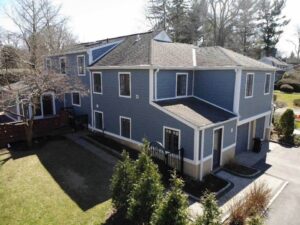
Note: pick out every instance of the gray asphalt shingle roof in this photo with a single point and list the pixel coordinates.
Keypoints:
(195, 111)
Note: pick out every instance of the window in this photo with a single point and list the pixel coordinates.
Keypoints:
(181, 84)
(171, 139)
(81, 65)
(48, 64)
(97, 82)
(125, 127)
(124, 85)
(267, 83)
(62, 63)
(249, 85)
(76, 98)
(99, 120)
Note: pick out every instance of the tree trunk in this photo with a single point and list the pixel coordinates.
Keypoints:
(29, 133)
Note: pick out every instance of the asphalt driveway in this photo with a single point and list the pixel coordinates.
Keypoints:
(284, 163)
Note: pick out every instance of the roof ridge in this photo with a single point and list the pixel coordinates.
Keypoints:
(225, 53)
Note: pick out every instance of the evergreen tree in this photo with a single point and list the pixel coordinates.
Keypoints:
(271, 24)
(9, 57)
(173, 208)
(158, 14)
(145, 193)
(287, 123)
(211, 212)
(178, 19)
(122, 182)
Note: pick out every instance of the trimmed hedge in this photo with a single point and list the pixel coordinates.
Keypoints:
(297, 102)
(287, 88)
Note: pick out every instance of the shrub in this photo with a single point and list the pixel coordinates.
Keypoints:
(238, 213)
(287, 123)
(211, 212)
(287, 88)
(276, 123)
(274, 98)
(256, 201)
(256, 220)
(297, 102)
(297, 140)
(173, 208)
(122, 182)
(146, 192)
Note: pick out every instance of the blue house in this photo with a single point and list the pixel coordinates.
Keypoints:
(210, 101)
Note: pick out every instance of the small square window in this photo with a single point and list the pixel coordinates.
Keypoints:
(81, 65)
(249, 85)
(124, 85)
(97, 82)
(76, 98)
(62, 62)
(181, 84)
(99, 120)
(125, 127)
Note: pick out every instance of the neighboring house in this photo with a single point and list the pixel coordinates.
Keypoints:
(281, 66)
(210, 101)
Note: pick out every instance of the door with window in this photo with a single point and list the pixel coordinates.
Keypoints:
(171, 140)
(217, 147)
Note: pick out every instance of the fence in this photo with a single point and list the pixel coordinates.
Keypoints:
(15, 131)
(171, 159)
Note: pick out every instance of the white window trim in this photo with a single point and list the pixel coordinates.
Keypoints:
(50, 64)
(124, 96)
(79, 98)
(222, 147)
(120, 126)
(267, 93)
(60, 64)
(97, 111)
(252, 92)
(171, 128)
(96, 92)
(187, 84)
(42, 105)
(81, 74)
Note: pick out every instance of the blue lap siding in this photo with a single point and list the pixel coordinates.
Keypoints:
(146, 120)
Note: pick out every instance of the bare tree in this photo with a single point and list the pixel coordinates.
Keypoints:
(296, 43)
(38, 22)
(157, 14)
(27, 92)
(222, 16)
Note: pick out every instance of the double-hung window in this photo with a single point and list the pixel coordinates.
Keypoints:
(249, 85)
(76, 98)
(171, 139)
(81, 65)
(124, 85)
(62, 63)
(267, 83)
(125, 127)
(99, 120)
(97, 78)
(181, 84)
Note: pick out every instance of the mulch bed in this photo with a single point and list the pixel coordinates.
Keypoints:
(196, 188)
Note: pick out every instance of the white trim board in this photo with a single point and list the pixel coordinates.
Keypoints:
(253, 83)
(237, 91)
(270, 81)
(78, 105)
(241, 122)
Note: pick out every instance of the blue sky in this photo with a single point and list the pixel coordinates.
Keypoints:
(98, 19)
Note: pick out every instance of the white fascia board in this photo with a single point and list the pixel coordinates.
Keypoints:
(254, 117)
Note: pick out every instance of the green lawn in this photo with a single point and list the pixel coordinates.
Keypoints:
(58, 183)
(297, 124)
(287, 98)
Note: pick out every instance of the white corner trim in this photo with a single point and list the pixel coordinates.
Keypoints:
(129, 74)
(186, 85)
(172, 98)
(196, 145)
(151, 82)
(120, 126)
(84, 66)
(237, 91)
(92, 101)
(194, 57)
(93, 83)
(202, 153)
(207, 158)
